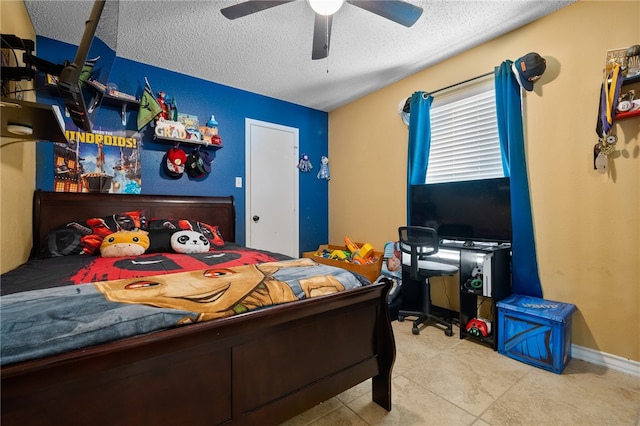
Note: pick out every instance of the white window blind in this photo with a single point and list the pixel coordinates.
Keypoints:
(464, 136)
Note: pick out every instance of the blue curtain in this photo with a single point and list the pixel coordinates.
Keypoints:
(525, 279)
(419, 142)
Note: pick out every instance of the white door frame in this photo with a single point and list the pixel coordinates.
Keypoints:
(249, 122)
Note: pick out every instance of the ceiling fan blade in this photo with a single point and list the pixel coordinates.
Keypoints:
(396, 10)
(321, 36)
(248, 7)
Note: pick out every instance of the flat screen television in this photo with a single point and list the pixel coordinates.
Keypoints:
(476, 210)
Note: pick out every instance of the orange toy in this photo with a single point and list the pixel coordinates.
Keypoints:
(359, 255)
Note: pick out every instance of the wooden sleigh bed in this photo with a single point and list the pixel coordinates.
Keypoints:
(257, 368)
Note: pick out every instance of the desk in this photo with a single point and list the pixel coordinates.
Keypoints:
(490, 263)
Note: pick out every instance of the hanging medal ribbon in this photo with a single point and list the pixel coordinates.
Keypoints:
(608, 97)
(606, 115)
(613, 92)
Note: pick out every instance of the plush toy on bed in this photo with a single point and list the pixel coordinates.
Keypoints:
(125, 243)
(189, 242)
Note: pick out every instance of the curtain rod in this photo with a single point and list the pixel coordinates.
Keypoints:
(461, 82)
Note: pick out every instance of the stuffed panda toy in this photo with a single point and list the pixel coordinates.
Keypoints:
(189, 242)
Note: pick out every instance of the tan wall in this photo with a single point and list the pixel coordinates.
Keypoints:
(17, 162)
(586, 224)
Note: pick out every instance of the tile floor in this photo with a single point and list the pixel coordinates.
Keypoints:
(440, 380)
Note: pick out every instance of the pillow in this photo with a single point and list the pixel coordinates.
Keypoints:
(125, 243)
(85, 237)
(160, 240)
(189, 242)
(210, 232)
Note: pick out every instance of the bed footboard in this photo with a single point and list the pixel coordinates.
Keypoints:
(258, 368)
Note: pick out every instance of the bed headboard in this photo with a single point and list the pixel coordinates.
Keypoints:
(52, 209)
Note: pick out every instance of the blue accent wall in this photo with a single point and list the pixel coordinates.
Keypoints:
(203, 98)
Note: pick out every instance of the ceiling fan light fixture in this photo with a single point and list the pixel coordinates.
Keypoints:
(325, 7)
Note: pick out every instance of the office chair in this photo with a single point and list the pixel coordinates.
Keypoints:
(417, 244)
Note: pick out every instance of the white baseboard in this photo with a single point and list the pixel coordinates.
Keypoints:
(613, 362)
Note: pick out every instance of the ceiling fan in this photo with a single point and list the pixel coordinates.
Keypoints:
(397, 11)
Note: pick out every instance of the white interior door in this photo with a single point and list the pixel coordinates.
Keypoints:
(271, 187)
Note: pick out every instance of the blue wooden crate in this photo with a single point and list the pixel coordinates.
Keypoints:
(535, 331)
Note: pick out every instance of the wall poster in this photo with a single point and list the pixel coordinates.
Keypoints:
(98, 161)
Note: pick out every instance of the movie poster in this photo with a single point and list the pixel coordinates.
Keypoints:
(100, 161)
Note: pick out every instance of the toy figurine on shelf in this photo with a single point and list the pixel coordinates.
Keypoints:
(210, 132)
(324, 169)
(305, 164)
(212, 125)
(172, 107)
(162, 102)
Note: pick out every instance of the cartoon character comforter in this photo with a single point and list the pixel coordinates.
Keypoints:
(56, 319)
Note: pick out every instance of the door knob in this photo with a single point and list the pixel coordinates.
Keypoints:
(256, 218)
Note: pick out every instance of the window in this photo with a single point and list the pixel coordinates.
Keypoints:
(464, 136)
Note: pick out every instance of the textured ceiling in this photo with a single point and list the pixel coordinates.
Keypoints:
(270, 52)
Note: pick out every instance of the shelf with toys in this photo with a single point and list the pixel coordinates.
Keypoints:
(629, 101)
(110, 96)
(187, 130)
(188, 141)
(629, 114)
(618, 100)
(102, 94)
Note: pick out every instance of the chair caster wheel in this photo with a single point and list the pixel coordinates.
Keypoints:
(400, 318)
(448, 332)
(415, 330)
